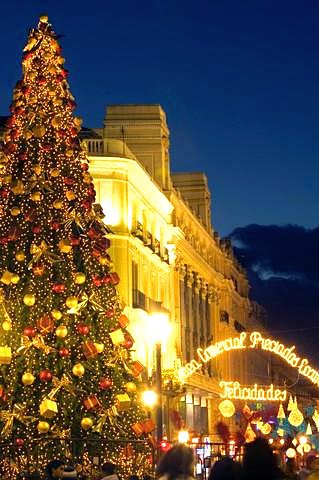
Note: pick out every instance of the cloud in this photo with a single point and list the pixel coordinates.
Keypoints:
(282, 264)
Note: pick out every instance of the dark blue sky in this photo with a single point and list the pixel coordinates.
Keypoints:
(238, 80)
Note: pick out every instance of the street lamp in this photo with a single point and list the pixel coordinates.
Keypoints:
(159, 329)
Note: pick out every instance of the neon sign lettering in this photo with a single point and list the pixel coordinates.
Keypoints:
(235, 391)
(256, 342)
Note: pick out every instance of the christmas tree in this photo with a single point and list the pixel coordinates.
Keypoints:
(68, 385)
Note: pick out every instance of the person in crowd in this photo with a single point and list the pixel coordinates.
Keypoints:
(54, 470)
(304, 472)
(109, 471)
(225, 469)
(314, 470)
(291, 469)
(176, 463)
(70, 472)
(260, 463)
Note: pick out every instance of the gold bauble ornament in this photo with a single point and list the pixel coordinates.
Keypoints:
(15, 211)
(57, 101)
(43, 427)
(61, 331)
(99, 347)
(36, 196)
(58, 204)
(130, 387)
(55, 172)
(56, 314)
(71, 301)
(78, 370)
(70, 195)
(104, 260)
(227, 408)
(6, 325)
(29, 299)
(79, 278)
(39, 131)
(27, 378)
(86, 423)
(20, 256)
(55, 122)
(37, 169)
(15, 278)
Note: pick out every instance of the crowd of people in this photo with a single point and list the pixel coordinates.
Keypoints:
(259, 463)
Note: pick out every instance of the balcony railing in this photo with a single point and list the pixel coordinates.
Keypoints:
(107, 147)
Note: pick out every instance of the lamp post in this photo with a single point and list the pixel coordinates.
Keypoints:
(159, 411)
(159, 329)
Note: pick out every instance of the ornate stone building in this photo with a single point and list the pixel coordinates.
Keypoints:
(167, 253)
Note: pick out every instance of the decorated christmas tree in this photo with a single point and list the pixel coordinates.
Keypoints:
(68, 385)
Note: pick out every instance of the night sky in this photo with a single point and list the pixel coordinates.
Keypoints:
(239, 82)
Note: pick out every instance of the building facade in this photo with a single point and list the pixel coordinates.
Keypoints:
(170, 258)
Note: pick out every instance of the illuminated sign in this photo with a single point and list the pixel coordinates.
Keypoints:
(235, 391)
(255, 341)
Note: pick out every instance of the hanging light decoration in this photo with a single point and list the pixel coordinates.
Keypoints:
(290, 453)
(227, 408)
(295, 417)
(266, 429)
(291, 405)
(309, 429)
(249, 434)
(281, 412)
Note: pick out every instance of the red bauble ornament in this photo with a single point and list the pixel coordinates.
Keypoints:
(58, 287)
(19, 110)
(128, 342)
(4, 192)
(84, 167)
(59, 78)
(41, 80)
(26, 90)
(71, 104)
(15, 133)
(29, 332)
(68, 181)
(3, 240)
(61, 133)
(64, 73)
(96, 281)
(64, 352)
(83, 329)
(105, 383)
(75, 241)
(19, 442)
(36, 229)
(38, 269)
(86, 204)
(73, 131)
(22, 157)
(47, 147)
(45, 376)
(55, 224)
(109, 313)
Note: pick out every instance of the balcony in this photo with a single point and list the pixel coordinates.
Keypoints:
(107, 148)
